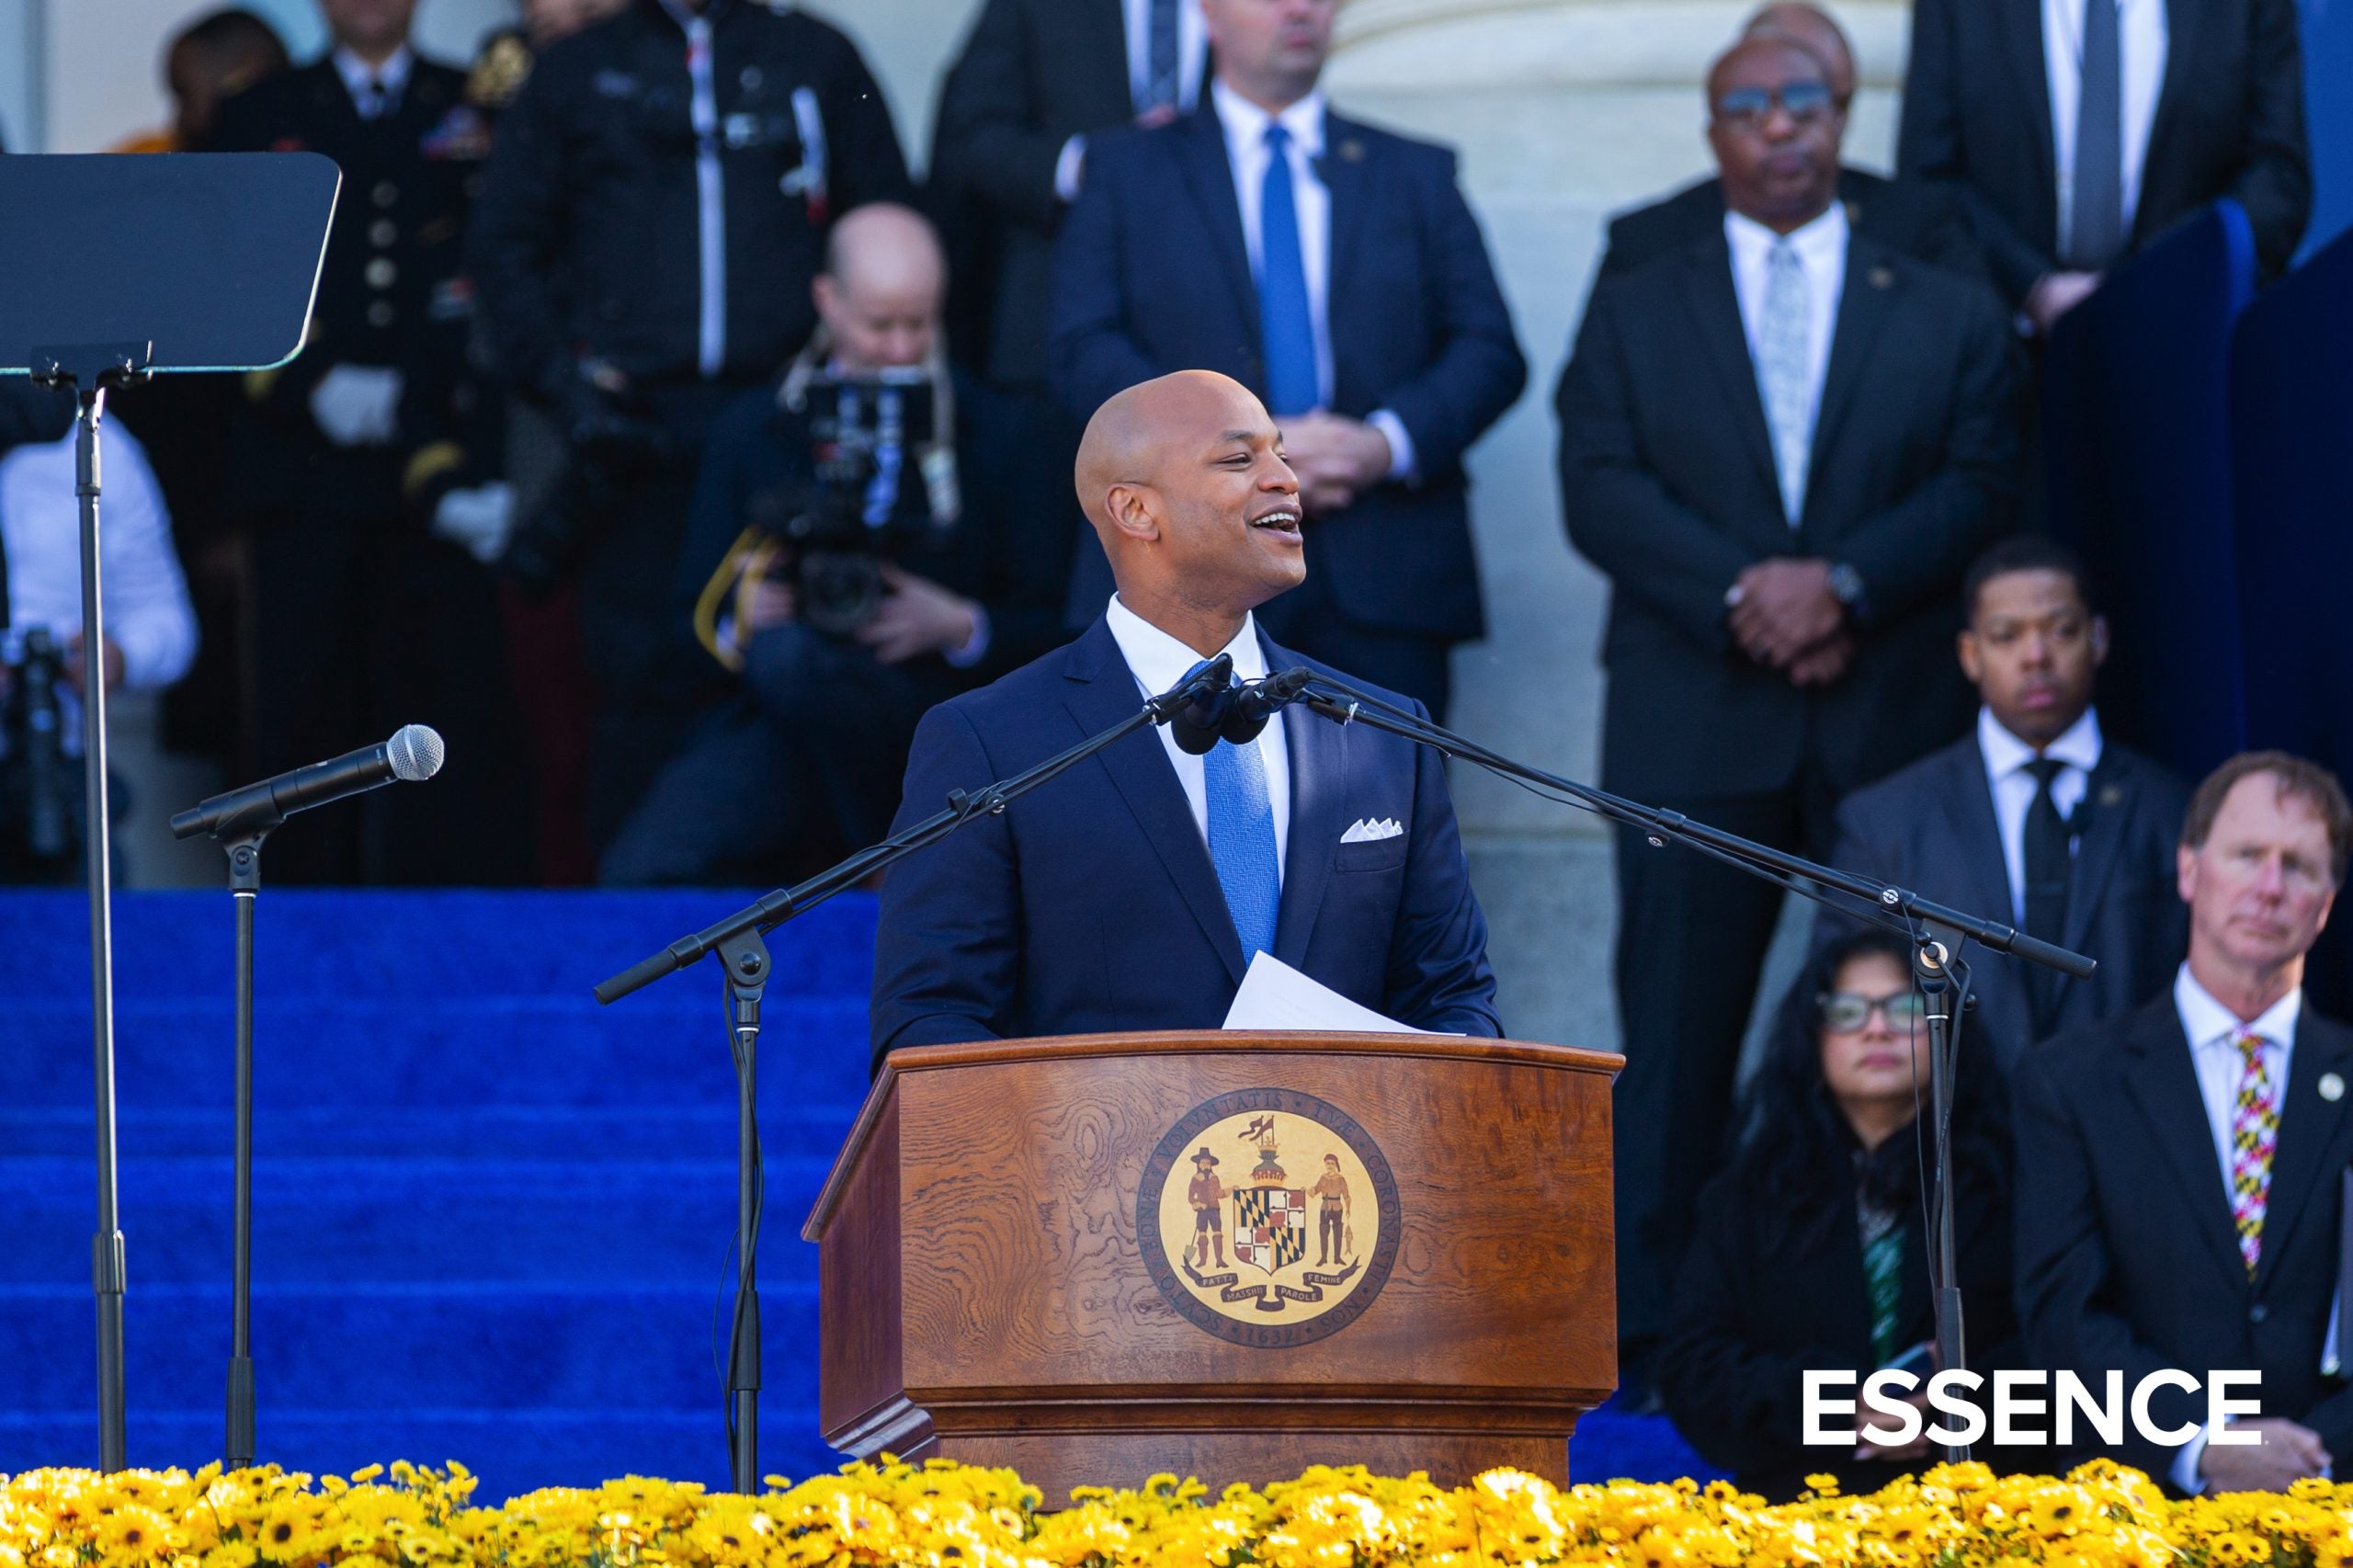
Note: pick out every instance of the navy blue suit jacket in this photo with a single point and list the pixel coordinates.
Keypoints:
(1091, 905)
(1151, 275)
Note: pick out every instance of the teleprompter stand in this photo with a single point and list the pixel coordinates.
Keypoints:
(737, 940)
(146, 265)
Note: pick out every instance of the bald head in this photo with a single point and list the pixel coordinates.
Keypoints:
(1812, 30)
(1184, 479)
(880, 295)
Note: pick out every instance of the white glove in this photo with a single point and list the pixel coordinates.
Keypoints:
(357, 405)
(480, 520)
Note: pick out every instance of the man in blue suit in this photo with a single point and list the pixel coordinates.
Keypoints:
(1335, 270)
(1131, 893)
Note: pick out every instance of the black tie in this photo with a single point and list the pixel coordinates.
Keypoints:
(371, 99)
(2095, 212)
(2048, 867)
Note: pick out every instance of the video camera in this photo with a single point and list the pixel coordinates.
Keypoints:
(882, 483)
(39, 773)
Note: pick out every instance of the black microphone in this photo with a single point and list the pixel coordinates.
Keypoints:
(1206, 695)
(1257, 702)
(1236, 714)
(413, 753)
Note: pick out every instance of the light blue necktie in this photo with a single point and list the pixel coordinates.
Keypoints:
(1782, 372)
(1241, 842)
(1286, 329)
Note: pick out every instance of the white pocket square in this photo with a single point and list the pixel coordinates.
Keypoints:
(1364, 832)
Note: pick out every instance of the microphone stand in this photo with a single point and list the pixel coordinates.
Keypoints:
(738, 941)
(1937, 971)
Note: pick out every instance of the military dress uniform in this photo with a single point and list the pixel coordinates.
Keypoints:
(363, 619)
(654, 212)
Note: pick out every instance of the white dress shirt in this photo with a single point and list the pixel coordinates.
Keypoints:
(1821, 248)
(1245, 146)
(392, 76)
(2078, 746)
(1158, 662)
(147, 611)
(2213, 1032)
(2140, 41)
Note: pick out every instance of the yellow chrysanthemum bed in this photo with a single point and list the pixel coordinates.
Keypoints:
(948, 1515)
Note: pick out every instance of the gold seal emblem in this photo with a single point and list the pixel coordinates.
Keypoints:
(1269, 1218)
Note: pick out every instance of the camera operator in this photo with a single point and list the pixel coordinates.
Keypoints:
(655, 209)
(149, 635)
(809, 488)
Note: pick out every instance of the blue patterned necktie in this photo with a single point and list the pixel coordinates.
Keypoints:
(1241, 842)
(1781, 373)
(1160, 78)
(1286, 329)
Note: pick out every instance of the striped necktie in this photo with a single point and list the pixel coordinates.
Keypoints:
(2255, 1137)
(1782, 363)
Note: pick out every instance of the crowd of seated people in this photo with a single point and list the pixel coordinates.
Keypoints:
(663, 441)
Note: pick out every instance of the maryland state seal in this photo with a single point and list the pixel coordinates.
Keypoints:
(1269, 1218)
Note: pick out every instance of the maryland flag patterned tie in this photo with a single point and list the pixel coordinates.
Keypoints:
(2255, 1135)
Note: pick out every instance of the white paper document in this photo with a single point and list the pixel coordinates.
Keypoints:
(1276, 996)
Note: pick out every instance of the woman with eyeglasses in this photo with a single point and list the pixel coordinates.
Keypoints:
(1811, 1249)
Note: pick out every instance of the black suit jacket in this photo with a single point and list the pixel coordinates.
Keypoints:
(1033, 75)
(1919, 219)
(1753, 1311)
(1931, 828)
(1668, 486)
(2127, 1256)
(1151, 275)
(2230, 122)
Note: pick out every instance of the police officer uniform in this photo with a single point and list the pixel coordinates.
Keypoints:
(654, 212)
(362, 619)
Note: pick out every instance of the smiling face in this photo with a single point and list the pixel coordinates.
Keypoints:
(2260, 887)
(1185, 480)
(1774, 127)
(1879, 1060)
(2031, 648)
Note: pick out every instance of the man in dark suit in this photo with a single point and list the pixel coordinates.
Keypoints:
(364, 618)
(1784, 445)
(1335, 270)
(2034, 819)
(1134, 892)
(2178, 1167)
(2078, 131)
(1037, 80)
(1919, 219)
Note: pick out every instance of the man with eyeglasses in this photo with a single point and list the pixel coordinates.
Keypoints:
(2034, 817)
(1919, 218)
(1784, 444)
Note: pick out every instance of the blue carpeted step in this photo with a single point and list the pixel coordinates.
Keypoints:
(366, 1051)
(510, 1451)
(647, 1222)
(788, 1123)
(455, 942)
(382, 1349)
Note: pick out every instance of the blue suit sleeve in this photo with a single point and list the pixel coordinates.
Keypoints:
(946, 955)
(1438, 977)
(1091, 351)
(1478, 370)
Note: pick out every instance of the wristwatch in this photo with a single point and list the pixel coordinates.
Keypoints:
(1847, 586)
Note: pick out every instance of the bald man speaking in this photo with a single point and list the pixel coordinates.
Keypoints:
(1131, 893)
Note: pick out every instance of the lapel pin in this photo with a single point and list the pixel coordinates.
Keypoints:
(1880, 277)
(1352, 151)
(2111, 795)
(2332, 1088)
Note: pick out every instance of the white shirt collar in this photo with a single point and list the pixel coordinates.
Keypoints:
(1159, 661)
(1246, 123)
(1820, 243)
(2208, 1023)
(2078, 746)
(391, 75)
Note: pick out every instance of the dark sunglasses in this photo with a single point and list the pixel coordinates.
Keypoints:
(1746, 107)
(1843, 1011)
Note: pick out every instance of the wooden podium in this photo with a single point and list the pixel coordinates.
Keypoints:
(1232, 1255)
